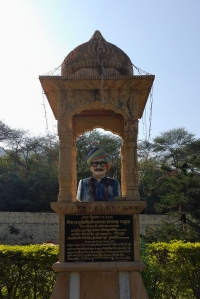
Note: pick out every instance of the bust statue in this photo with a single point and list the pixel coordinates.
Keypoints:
(98, 187)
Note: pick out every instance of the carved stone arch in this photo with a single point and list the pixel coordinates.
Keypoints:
(88, 120)
(73, 102)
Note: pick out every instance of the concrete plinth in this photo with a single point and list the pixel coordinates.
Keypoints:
(121, 280)
(117, 279)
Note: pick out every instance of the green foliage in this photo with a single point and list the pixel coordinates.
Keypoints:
(149, 173)
(28, 172)
(171, 144)
(179, 196)
(25, 271)
(173, 270)
(170, 183)
(27, 191)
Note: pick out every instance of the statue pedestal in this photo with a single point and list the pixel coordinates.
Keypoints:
(99, 281)
(99, 251)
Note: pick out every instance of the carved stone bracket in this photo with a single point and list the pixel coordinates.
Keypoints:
(104, 208)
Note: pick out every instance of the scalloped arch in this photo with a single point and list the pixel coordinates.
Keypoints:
(98, 127)
(88, 120)
(96, 105)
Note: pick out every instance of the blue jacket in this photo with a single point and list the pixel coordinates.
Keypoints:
(84, 189)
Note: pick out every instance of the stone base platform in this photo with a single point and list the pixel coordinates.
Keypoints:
(103, 280)
(115, 279)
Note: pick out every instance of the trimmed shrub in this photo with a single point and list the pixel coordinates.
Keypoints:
(173, 270)
(26, 271)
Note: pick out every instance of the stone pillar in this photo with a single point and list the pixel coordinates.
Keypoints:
(130, 149)
(131, 171)
(74, 177)
(65, 169)
(123, 179)
(65, 151)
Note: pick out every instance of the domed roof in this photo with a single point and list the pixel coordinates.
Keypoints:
(96, 57)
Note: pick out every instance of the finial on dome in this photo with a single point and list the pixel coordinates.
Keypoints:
(97, 36)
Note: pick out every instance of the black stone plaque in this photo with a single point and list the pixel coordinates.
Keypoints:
(97, 238)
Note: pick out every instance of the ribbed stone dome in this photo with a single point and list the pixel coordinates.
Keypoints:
(95, 57)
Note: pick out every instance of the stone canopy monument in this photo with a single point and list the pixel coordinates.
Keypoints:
(99, 253)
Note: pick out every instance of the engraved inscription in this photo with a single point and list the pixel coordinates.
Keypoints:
(96, 238)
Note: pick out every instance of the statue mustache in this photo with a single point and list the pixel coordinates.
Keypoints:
(98, 169)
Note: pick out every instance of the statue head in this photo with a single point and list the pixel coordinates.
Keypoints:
(99, 162)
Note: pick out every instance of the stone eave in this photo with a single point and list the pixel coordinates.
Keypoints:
(52, 84)
(97, 208)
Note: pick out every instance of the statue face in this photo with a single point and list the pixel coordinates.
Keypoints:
(98, 168)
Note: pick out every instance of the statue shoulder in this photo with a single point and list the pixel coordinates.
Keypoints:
(86, 180)
(113, 180)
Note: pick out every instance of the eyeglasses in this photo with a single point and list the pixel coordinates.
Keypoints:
(95, 164)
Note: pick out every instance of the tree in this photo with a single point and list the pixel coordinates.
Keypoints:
(28, 173)
(178, 187)
(171, 145)
(149, 174)
(7, 134)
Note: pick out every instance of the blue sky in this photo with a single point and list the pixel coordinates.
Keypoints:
(161, 37)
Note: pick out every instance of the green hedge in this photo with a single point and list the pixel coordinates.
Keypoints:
(173, 270)
(26, 271)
